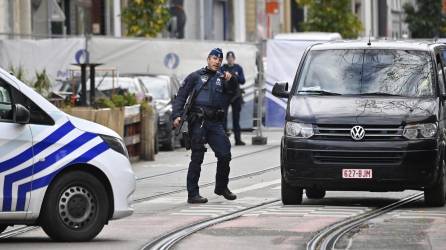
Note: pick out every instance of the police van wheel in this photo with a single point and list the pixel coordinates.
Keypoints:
(75, 207)
(315, 193)
(290, 195)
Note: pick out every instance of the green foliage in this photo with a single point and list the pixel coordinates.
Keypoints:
(105, 103)
(331, 16)
(427, 21)
(42, 83)
(145, 17)
(117, 101)
(18, 72)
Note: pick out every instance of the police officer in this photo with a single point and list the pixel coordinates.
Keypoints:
(236, 98)
(206, 123)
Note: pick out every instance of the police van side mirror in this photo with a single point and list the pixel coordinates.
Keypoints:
(280, 89)
(21, 114)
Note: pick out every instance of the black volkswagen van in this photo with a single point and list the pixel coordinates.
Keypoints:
(365, 116)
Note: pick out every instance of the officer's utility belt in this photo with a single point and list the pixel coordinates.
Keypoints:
(209, 114)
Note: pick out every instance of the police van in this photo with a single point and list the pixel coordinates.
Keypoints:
(68, 175)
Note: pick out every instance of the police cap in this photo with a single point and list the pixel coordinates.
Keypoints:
(216, 52)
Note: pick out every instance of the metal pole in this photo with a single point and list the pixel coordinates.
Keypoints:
(84, 84)
(92, 85)
(50, 11)
(259, 139)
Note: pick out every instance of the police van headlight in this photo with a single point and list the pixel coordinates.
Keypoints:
(116, 144)
(299, 130)
(420, 131)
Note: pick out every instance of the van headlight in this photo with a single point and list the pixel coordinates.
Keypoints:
(426, 130)
(299, 130)
(116, 144)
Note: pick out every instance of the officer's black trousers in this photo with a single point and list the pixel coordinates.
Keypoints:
(236, 109)
(213, 134)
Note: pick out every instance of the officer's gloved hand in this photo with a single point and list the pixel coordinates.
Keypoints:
(176, 123)
(227, 76)
(231, 85)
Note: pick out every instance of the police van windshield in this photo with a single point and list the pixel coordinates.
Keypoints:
(384, 72)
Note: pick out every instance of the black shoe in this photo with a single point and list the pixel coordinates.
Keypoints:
(227, 194)
(240, 143)
(196, 199)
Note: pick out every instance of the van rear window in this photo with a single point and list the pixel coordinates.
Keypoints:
(370, 71)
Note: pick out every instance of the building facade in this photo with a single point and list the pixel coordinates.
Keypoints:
(232, 20)
(382, 18)
(15, 17)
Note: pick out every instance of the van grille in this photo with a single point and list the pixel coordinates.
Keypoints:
(372, 133)
(358, 157)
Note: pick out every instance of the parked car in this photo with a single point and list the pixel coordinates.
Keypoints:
(163, 89)
(105, 87)
(118, 85)
(66, 88)
(68, 175)
(366, 116)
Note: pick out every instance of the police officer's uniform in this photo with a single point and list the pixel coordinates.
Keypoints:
(235, 99)
(206, 126)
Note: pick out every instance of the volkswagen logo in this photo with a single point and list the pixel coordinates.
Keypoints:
(357, 133)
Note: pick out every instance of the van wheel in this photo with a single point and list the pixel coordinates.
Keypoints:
(75, 207)
(3, 227)
(435, 196)
(315, 193)
(290, 195)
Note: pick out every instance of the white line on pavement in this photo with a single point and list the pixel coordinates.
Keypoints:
(256, 186)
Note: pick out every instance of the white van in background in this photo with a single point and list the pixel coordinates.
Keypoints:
(68, 175)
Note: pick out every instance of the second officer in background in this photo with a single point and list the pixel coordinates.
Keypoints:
(206, 123)
(236, 96)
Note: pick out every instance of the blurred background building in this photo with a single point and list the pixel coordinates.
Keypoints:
(232, 20)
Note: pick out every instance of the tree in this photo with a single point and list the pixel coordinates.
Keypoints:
(427, 21)
(145, 17)
(331, 16)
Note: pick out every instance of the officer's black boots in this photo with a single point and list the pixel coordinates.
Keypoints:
(227, 194)
(240, 143)
(196, 199)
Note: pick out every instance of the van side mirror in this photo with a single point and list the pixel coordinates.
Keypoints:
(280, 89)
(21, 114)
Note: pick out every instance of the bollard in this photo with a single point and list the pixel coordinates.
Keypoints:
(148, 128)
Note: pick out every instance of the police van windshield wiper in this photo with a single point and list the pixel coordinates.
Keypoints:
(320, 92)
(378, 94)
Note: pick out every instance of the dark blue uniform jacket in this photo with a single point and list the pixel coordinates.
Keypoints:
(213, 95)
(236, 70)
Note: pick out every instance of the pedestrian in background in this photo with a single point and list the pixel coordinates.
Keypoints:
(236, 98)
(205, 123)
